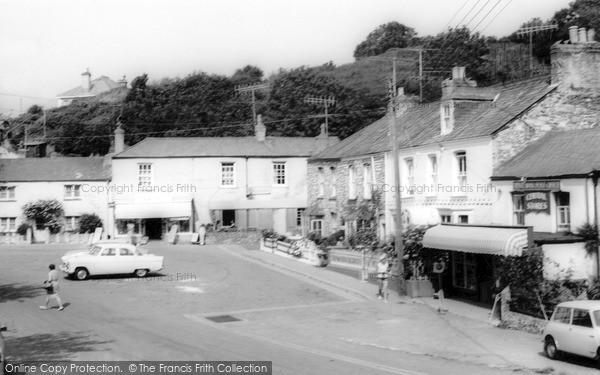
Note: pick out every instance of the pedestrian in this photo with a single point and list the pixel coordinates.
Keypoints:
(53, 288)
(202, 233)
(383, 272)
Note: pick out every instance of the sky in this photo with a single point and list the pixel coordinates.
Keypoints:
(45, 45)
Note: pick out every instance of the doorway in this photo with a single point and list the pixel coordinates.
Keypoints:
(154, 229)
(228, 217)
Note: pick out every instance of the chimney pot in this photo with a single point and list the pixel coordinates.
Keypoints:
(260, 131)
(86, 80)
(119, 138)
(573, 36)
(582, 35)
(591, 36)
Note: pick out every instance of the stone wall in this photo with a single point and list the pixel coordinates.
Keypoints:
(334, 207)
(560, 110)
(576, 66)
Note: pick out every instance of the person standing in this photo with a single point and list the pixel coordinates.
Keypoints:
(53, 292)
(383, 272)
(202, 233)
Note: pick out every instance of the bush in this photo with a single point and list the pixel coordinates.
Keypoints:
(22, 229)
(365, 237)
(89, 223)
(332, 239)
(48, 212)
(269, 233)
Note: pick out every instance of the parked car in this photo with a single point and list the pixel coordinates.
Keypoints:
(574, 328)
(2, 351)
(110, 258)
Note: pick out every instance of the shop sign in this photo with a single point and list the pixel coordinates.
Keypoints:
(536, 185)
(537, 201)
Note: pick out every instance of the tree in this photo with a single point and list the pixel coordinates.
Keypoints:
(247, 75)
(386, 36)
(89, 222)
(46, 213)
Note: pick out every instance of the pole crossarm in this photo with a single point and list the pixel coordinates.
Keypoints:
(533, 29)
(322, 101)
(252, 88)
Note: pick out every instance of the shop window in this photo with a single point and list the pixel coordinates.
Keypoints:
(464, 271)
(519, 209)
(463, 219)
(563, 211)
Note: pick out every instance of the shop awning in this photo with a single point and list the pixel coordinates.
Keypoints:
(478, 239)
(151, 210)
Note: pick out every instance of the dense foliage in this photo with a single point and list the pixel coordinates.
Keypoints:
(89, 222)
(47, 213)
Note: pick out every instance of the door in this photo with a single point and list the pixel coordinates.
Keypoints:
(582, 336)
(154, 229)
(105, 263)
(562, 327)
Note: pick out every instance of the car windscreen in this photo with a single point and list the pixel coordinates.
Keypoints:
(95, 250)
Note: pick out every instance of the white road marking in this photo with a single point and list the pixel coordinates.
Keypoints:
(322, 353)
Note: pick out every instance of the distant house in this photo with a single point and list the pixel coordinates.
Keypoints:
(251, 183)
(89, 89)
(79, 184)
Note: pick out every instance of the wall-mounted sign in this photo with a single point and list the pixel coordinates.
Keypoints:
(536, 185)
(537, 201)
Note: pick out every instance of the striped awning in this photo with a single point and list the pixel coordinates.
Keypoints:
(477, 239)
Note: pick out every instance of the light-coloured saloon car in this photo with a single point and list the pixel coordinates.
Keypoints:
(574, 328)
(110, 258)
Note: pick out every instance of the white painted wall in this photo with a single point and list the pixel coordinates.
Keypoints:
(562, 259)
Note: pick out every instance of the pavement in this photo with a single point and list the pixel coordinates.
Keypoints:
(461, 331)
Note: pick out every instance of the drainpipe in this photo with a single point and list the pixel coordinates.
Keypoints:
(595, 181)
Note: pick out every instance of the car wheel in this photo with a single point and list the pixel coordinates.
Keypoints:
(81, 273)
(550, 348)
(141, 273)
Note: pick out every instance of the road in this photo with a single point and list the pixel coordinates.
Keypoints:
(301, 326)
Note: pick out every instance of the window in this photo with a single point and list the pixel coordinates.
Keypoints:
(279, 173)
(367, 181)
(463, 219)
(461, 158)
(72, 223)
(332, 182)
(227, 174)
(109, 252)
(409, 164)
(145, 175)
(446, 218)
(433, 171)
(316, 226)
(8, 224)
(563, 211)
(321, 182)
(447, 125)
(299, 214)
(7, 192)
(582, 318)
(562, 315)
(519, 209)
(351, 182)
(72, 191)
(464, 267)
(124, 252)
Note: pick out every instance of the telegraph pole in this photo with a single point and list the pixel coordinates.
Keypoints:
(399, 244)
(252, 89)
(530, 30)
(325, 102)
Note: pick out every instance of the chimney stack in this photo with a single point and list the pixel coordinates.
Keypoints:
(119, 138)
(576, 65)
(86, 80)
(582, 35)
(260, 131)
(573, 35)
(122, 82)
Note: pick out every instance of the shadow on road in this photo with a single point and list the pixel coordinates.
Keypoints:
(12, 292)
(46, 347)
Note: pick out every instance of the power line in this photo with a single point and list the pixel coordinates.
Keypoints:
(469, 12)
(476, 14)
(455, 14)
(497, 14)
(486, 16)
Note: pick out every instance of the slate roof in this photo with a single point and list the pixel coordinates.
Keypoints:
(54, 169)
(97, 86)
(557, 154)
(419, 125)
(178, 147)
